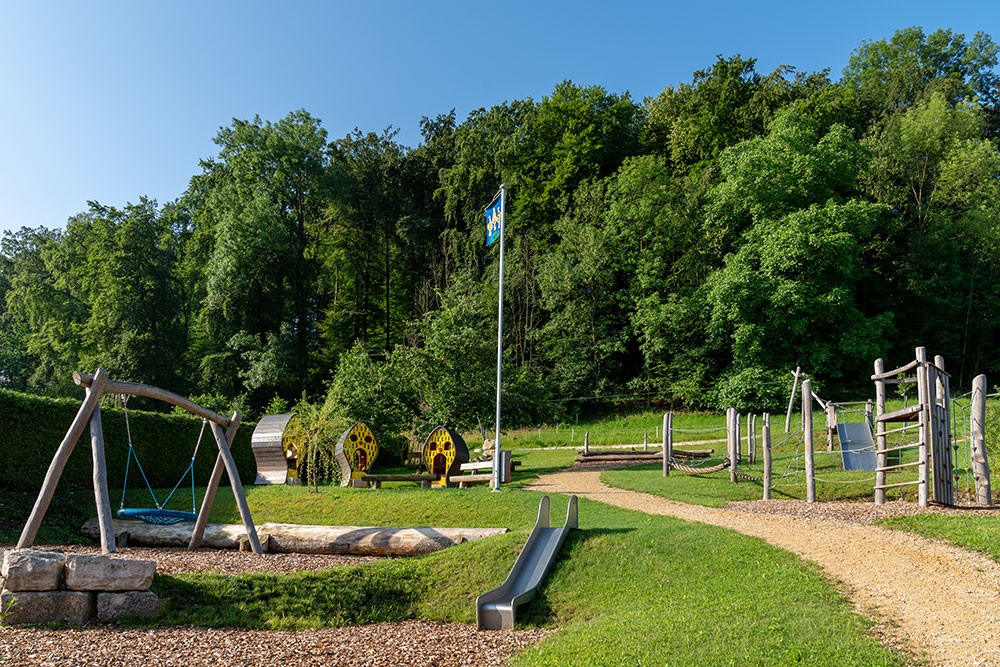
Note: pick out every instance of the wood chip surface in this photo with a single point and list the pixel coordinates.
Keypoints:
(171, 560)
(940, 603)
(407, 643)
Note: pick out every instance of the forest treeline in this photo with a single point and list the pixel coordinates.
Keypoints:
(691, 248)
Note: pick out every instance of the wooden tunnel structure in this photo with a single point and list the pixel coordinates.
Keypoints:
(90, 413)
(356, 452)
(276, 444)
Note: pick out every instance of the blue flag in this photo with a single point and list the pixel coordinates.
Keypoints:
(494, 222)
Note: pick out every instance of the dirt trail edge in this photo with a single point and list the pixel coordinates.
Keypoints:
(945, 601)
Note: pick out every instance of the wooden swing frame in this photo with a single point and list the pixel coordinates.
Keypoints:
(90, 412)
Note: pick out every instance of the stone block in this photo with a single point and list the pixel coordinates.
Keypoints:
(71, 607)
(112, 606)
(32, 570)
(86, 572)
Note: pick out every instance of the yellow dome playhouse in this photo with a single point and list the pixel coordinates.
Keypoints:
(443, 454)
(356, 451)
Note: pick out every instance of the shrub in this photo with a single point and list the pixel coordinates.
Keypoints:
(35, 425)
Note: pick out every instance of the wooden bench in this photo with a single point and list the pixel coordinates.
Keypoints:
(465, 480)
(376, 480)
(483, 465)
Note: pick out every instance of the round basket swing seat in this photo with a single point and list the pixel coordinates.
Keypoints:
(155, 516)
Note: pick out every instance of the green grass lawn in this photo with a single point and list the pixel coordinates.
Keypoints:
(623, 430)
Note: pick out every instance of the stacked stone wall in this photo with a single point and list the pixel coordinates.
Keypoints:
(38, 586)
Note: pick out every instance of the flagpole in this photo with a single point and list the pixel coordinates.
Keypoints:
(496, 443)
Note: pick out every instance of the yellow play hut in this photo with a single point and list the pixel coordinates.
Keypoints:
(356, 451)
(443, 454)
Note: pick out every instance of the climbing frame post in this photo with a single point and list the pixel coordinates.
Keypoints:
(765, 437)
(791, 398)
(807, 445)
(60, 458)
(980, 463)
(925, 396)
(881, 457)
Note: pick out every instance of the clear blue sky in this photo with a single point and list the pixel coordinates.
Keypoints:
(110, 101)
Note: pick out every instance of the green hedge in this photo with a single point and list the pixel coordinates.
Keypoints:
(31, 428)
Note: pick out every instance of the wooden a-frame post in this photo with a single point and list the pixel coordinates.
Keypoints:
(48, 489)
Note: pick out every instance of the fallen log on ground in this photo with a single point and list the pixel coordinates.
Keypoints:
(296, 538)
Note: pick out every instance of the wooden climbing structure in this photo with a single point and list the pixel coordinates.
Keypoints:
(932, 412)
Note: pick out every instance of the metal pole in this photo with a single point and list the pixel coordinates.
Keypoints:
(496, 446)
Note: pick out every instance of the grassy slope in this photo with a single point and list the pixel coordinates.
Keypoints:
(628, 589)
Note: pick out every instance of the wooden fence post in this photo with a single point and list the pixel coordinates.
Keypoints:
(668, 441)
(765, 437)
(731, 436)
(738, 436)
(586, 443)
(807, 446)
(831, 424)
(980, 462)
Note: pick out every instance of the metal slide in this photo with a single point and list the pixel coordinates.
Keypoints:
(857, 446)
(495, 609)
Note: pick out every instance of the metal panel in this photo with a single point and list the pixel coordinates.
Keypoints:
(266, 441)
(857, 447)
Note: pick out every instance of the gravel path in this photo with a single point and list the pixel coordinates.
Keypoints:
(942, 602)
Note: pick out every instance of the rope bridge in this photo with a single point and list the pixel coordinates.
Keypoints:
(699, 471)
